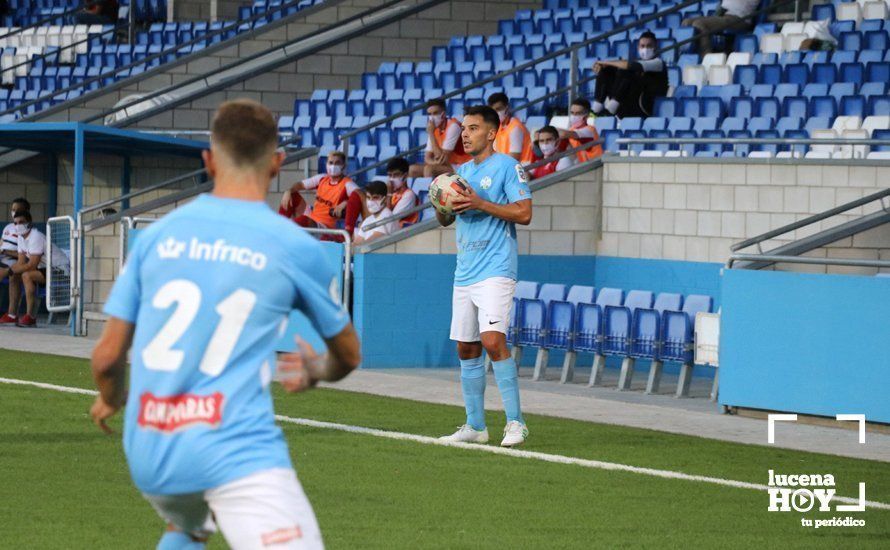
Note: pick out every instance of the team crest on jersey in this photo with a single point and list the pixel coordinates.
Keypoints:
(520, 173)
(485, 183)
(177, 412)
(171, 249)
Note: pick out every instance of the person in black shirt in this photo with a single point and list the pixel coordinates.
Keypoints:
(629, 88)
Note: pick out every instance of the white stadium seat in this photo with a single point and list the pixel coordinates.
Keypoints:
(879, 155)
(818, 155)
(793, 27)
(842, 123)
(674, 153)
(738, 58)
(651, 153)
(561, 122)
(853, 151)
(772, 43)
(719, 75)
(713, 59)
(874, 10)
(849, 11)
(872, 123)
(695, 75)
(791, 42)
(760, 155)
(788, 155)
(820, 148)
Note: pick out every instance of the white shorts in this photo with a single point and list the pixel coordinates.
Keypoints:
(481, 307)
(264, 510)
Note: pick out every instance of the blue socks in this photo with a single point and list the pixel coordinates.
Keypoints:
(472, 382)
(508, 383)
(177, 540)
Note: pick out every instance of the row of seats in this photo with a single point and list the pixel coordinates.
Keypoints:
(579, 319)
(855, 12)
(802, 106)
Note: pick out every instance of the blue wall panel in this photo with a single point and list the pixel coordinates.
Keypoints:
(813, 344)
(659, 276)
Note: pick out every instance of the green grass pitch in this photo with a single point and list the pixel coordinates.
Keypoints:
(66, 485)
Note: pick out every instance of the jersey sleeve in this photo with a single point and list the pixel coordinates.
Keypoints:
(318, 291)
(451, 137)
(123, 301)
(587, 132)
(516, 183)
(516, 139)
(312, 183)
(36, 245)
(405, 202)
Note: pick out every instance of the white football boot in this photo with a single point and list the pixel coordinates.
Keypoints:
(467, 434)
(515, 434)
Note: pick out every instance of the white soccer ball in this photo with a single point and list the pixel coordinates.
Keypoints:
(444, 189)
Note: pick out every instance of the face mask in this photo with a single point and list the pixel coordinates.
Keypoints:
(646, 53)
(576, 120)
(437, 119)
(335, 169)
(375, 205)
(547, 148)
(503, 114)
(21, 229)
(397, 183)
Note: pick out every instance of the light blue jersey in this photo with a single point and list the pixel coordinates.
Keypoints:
(486, 246)
(210, 287)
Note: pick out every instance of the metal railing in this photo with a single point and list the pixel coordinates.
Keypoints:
(60, 293)
(751, 141)
(879, 264)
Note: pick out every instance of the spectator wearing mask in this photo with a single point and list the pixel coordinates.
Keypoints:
(729, 16)
(402, 198)
(444, 148)
(333, 190)
(513, 138)
(550, 144)
(29, 270)
(9, 249)
(98, 12)
(629, 88)
(377, 209)
(581, 131)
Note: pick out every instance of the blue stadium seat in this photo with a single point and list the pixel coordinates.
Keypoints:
(879, 105)
(823, 11)
(876, 40)
(790, 58)
(665, 107)
(762, 90)
(745, 75)
(824, 73)
(631, 124)
(677, 328)
(747, 43)
(703, 124)
(738, 149)
(852, 72)
(880, 134)
(850, 41)
(814, 89)
(877, 72)
(873, 89)
(840, 89)
(795, 106)
(767, 107)
(870, 56)
(785, 124)
(604, 123)
(770, 74)
(817, 123)
(617, 321)
(852, 105)
(588, 328)
(796, 73)
(839, 57)
(823, 106)
(678, 124)
(769, 147)
(732, 123)
(742, 107)
(581, 294)
(530, 322)
(685, 91)
(760, 123)
(646, 328)
(654, 123)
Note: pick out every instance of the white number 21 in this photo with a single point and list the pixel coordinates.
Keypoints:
(233, 311)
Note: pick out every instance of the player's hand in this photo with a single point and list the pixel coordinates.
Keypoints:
(441, 157)
(102, 411)
(337, 211)
(299, 371)
(468, 200)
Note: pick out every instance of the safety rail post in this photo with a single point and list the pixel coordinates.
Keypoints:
(59, 279)
(573, 78)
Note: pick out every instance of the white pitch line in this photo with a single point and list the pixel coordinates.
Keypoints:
(516, 453)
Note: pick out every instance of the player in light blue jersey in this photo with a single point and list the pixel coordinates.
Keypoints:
(204, 296)
(485, 277)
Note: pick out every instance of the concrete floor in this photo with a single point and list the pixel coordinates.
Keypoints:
(696, 415)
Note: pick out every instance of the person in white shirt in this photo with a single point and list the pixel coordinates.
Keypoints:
(729, 16)
(29, 270)
(376, 204)
(9, 249)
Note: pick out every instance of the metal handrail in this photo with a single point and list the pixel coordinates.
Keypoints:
(150, 58)
(807, 260)
(880, 195)
(764, 141)
(526, 65)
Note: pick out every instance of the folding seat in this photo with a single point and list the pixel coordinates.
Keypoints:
(873, 89)
(883, 134)
(762, 90)
(874, 124)
(828, 149)
(852, 72)
(677, 337)
(877, 72)
(823, 106)
(878, 106)
(685, 91)
(772, 43)
(850, 41)
(793, 27)
(767, 107)
(796, 73)
(823, 73)
(741, 107)
(588, 329)
(839, 57)
(665, 107)
(561, 316)
(812, 58)
(719, 75)
(876, 40)
(844, 123)
(605, 123)
(532, 316)
(745, 75)
(770, 74)
(695, 75)
(746, 43)
(823, 11)
(867, 56)
(785, 124)
(791, 42)
(761, 59)
(817, 123)
(617, 321)
(849, 11)
(812, 90)
(286, 124)
(768, 147)
(680, 124)
(758, 123)
(732, 123)
(795, 106)
(652, 123)
(852, 105)
(841, 89)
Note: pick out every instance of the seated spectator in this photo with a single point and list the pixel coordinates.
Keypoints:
(29, 270)
(513, 138)
(333, 190)
(444, 148)
(581, 131)
(821, 36)
(98, 12)
(629, 88)
(9, 249)
(402, 198)
(729, 16)
(377, 210)
(550, 144)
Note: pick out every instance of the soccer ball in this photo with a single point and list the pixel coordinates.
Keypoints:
(444, 189)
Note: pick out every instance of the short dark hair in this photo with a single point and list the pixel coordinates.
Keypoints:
(398, 164)
(23, 201)
(648, 34)
(246, 131)
(24, 214)
(549, 130)
(376, 188)
(436, 102)
(337, 153)
(488, 114)
(581, 102)
(498, 97)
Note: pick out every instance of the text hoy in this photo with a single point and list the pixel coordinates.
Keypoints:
(790, 492)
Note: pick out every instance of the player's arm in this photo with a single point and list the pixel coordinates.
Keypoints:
(109, 362)
(29, 264)
(517, 212)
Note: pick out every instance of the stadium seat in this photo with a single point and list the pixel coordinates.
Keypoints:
(646, 333)
(772, 43)
(606, 297)
(616, 331)
(677, 337)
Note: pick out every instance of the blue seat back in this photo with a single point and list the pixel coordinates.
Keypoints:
(638, 298)
(580, 293)
(695, 303)
(668, 301)
(526, 289)
(644, 334)
(552, 291)
(531, 322)
(560, 324)
(610, 297)
(676, 337)
(588, 324)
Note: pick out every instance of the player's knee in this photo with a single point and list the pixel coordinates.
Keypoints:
(495, 345)
(177, 540)
(469, 350)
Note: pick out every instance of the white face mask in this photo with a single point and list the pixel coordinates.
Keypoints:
(397, 183)
(335, 169)
(437, 119)
(576, 120)
(646, 53)
(375, 205)
(21, 229)
(547, 148)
